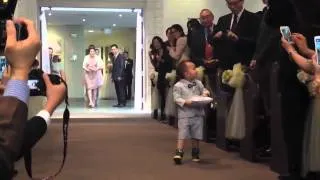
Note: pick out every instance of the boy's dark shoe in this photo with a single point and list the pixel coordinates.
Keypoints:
(178, 156)
(195, 155)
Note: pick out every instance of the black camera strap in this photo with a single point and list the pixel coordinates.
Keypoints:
(65, 126)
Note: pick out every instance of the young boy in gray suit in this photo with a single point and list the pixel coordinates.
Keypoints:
(190, 114)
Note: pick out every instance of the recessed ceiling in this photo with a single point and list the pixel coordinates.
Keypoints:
(93, 20)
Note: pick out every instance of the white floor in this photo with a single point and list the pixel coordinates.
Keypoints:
(104, 110)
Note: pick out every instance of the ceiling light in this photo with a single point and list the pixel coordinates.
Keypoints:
(87, 9)
(90, 31)
(84, 20)
(74, 35)
(107, 31)
(120, 15)
(114, 25)
(50, 14)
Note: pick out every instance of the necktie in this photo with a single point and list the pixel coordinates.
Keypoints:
(234, 23)
(191, 85)
(207, 33)
(208, 51)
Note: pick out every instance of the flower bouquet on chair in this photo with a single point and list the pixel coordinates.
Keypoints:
(154, 91)
(170, 106)
(235, 122)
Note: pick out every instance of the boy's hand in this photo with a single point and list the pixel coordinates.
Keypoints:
(206, 94)
(187, 102)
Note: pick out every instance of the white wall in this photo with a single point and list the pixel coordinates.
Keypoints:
(28, 9)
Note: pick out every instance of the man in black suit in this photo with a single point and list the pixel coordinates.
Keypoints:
(294, 96)
(267, 44)
(200, 38)
(236, 35)
(128, 74)
(118, 76)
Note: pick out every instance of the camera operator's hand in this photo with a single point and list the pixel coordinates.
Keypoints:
(55, 94)
(21, 54)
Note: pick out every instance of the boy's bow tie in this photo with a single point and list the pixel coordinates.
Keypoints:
(192, 84)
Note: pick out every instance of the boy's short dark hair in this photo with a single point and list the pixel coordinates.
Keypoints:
(114, 45)
(182, 68)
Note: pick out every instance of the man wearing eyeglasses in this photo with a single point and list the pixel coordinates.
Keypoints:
(236, 35)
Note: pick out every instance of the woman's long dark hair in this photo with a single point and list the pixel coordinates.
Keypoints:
(178, 28)
(193, 26)
(153, 49)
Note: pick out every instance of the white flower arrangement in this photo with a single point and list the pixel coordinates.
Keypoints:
(234, 78)
(200, 72)
(312, 83)
(171, 77)
(304, 77)
(154, 78)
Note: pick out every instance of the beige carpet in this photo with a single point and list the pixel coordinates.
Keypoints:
(137, 150)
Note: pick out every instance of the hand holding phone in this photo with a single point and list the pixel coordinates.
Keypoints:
(286, 33)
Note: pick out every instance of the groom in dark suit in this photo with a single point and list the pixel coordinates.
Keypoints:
(118, 76)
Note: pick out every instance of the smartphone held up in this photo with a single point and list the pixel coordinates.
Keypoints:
(286, 33)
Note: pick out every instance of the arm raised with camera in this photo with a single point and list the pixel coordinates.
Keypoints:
(36, 127)
(13, 104)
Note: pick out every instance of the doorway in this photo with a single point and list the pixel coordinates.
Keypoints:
(69, 32)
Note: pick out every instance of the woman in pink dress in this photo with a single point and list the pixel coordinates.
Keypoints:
(93, 80)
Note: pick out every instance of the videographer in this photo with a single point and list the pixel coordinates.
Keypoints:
(17, 135)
